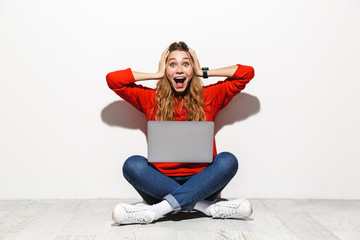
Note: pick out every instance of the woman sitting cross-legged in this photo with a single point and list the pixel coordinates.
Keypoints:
(180, 96)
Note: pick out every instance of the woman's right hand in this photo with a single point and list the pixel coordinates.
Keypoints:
(162, 63)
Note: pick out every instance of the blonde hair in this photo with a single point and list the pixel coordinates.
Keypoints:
(193, 99)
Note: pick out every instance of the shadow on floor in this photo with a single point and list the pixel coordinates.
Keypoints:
(182, 216)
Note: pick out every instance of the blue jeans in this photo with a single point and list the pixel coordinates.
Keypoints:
(182, 192)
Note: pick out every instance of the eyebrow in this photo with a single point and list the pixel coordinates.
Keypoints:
(181, 59)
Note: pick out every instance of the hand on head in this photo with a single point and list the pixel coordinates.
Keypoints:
(197, 67)
(162, 63)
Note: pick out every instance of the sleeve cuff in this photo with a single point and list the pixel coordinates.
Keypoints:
(243, 71)
(127, 76)
(120, 78)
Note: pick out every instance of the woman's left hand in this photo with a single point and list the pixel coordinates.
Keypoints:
(197, 67)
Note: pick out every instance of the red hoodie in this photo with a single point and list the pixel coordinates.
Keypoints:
(216, 97)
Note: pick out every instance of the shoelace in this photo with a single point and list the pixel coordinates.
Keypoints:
(137, 214)
(226, 210)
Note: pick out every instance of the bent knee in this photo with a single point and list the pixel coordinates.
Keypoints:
(228, 161)
(134, 164)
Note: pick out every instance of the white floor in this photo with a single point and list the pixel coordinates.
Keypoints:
(91, 219)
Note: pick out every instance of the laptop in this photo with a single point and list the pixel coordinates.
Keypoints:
(180, 141)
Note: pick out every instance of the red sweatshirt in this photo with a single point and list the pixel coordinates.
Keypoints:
(216, 97)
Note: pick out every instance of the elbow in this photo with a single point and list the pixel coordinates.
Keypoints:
(108, 77)
(251, 73)
(244, 72)
(109, 80)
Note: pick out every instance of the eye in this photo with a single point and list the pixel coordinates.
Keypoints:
(172, 64)
(186, 64)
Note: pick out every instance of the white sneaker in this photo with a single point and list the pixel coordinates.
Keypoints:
(127, 214)
(239, 208)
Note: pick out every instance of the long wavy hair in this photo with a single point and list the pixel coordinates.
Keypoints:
(193, 98)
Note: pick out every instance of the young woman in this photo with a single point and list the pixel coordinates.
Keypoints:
(180, 96)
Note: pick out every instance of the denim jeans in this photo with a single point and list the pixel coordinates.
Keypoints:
(182, 192)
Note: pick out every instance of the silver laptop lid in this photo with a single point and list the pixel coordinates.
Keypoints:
(180, 141)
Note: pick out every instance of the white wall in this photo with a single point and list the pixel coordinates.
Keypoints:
(295, 128)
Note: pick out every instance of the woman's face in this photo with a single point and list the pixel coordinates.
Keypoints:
(179, 70)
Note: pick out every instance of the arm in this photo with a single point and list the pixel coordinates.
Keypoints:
(233, 84)
(121, 78)
(219, 95)
(222, 92)
(122, 82)
(220, 72)
(140, 76)
(238, 72)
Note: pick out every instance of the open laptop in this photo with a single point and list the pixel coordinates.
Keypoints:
(180, 141)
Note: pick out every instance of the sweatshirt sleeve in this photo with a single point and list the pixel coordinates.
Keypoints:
(222, 92)
(122, 82)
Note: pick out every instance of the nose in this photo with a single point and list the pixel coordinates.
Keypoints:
(179, 69)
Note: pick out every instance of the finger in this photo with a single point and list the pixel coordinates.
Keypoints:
(166, 51)
(193, 54)
(192, 51)
(164, 57)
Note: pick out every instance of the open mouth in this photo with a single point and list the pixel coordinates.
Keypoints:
(179, 81)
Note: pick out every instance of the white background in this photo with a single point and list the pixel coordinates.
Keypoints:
(295, 128)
